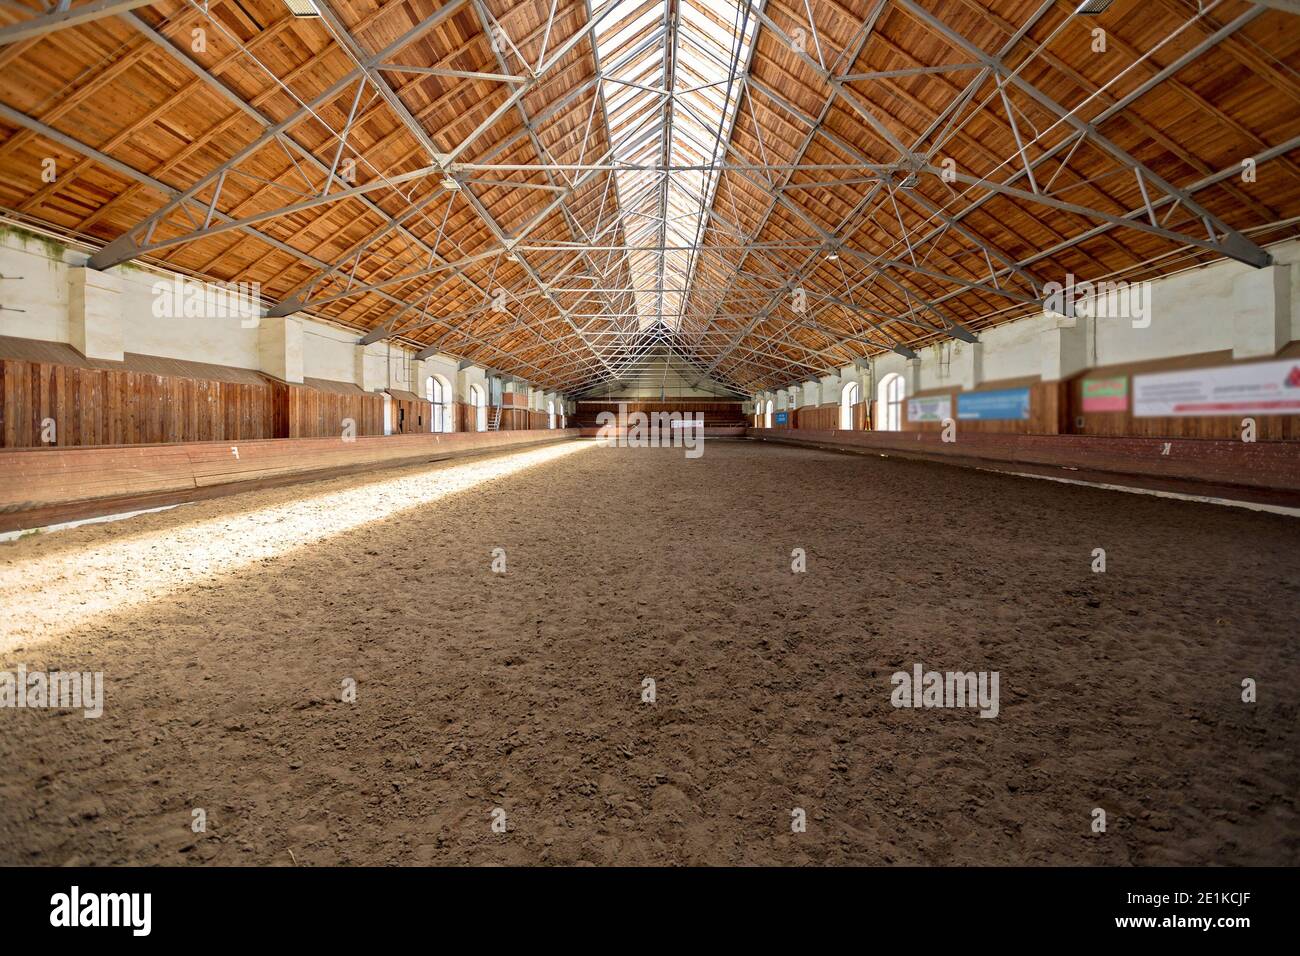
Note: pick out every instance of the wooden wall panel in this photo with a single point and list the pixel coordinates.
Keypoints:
(411, 417)
(464, 417)
(1267, 427)
(513, 419)
(820, 417)
(312, 413)
(118, 407)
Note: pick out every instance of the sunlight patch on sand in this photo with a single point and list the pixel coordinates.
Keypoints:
(46, 596)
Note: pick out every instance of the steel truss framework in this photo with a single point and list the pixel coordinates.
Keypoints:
(763, 190)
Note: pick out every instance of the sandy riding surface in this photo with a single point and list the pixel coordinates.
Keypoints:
(226, 630)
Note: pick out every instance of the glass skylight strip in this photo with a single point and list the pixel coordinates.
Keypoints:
(631, 49)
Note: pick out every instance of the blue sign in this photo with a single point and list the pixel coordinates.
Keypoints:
(1006, 404)
(780, 418)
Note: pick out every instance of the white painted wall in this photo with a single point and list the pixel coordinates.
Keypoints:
(382, 365)
(37, 292)
(1194, 312)
(38, 278)
(34, 290)
(471, 375)
(829, 387)
(221, 341)
(441, 366)
(328, 352)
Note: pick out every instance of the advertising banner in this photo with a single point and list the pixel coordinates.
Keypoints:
(1255, 388)
(1006, 404)
(780, 418)
(1105, 394)
(934, 409)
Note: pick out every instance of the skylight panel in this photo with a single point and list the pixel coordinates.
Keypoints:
(671, 90)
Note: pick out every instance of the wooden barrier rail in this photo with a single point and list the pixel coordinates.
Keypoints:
(1269, 466)
(42, 486)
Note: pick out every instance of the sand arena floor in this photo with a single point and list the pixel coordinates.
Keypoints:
(226, 628)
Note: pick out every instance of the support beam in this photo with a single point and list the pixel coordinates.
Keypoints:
(61, 19)
(1224, 239)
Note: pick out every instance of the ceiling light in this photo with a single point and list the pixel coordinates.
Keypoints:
(911, 181)
(832, 255)
(1091, 8)
(302, 8)
(450, 184)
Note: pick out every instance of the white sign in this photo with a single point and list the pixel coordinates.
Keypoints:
(934, 409)
(1255, 388)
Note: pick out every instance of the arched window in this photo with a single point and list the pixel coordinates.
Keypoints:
(890, 396)
(438, 393)
(848, 398)
(767, 414)
(476, 400)
(550, 414)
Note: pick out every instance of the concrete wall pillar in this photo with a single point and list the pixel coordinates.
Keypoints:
(911, 377)
(418, 375)
(279, 348)
(1261, 320)
(371, 370)
(968, 364)
(862, 374)
(95, 313)
(830, 389)
(1064, 347)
